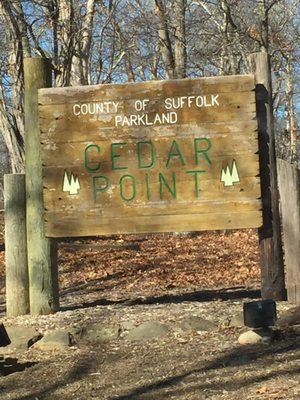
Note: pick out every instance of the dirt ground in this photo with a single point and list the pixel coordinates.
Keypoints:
(164, 278)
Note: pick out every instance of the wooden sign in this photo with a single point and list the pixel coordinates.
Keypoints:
(156, 156)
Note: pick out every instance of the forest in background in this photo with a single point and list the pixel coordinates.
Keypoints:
(110, 41)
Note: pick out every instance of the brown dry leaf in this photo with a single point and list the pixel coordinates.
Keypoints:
(262, 390)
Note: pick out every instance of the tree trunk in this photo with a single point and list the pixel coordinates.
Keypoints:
(81, 59)
(290, 111)
(11, 106)
(164, 40)
(66, 41)
(264, 25)
(180, 39)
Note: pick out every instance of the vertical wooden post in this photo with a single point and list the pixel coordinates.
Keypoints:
(271, 258)
(42, 252)
(289, 189)
(17, 286)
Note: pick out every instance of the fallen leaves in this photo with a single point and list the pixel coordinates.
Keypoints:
(161, 262)
(156, 263)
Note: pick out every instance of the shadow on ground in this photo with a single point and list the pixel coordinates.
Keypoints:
(79, 370)
(193, 381)
(11, 365)
(198, 296)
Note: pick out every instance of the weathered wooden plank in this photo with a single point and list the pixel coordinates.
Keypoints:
(149, 187)
(54, 133)
(221, 84)
(83, 224)
(125, 104)
(132, 153)
(109, 204)
(247, 165)
(205, 207)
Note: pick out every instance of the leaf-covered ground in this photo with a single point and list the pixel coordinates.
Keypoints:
(155, 264)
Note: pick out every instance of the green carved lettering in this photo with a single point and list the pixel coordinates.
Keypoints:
(100, 185)
(124, 187)
(196, 178)
(175, 153)
(201, 148)
(115, 156)
(91, 166)
(163, 182)
(143, 162)
(148, 190)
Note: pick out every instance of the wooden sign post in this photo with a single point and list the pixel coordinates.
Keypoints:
(270, 246)
(155, 156)
(42, 252)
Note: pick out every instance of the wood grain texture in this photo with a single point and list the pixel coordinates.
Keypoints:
(150, 157)
(289, 188)
(41, 251)
(85, 224)
(16, 268)
(270, 243)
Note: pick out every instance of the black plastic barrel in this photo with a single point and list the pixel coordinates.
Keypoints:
(260, 314)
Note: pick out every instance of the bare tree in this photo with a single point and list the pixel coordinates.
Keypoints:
(178, 25)
(164, 40)
(12, 83)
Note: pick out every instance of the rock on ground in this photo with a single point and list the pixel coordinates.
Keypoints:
(265, 335)
(148, 330)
